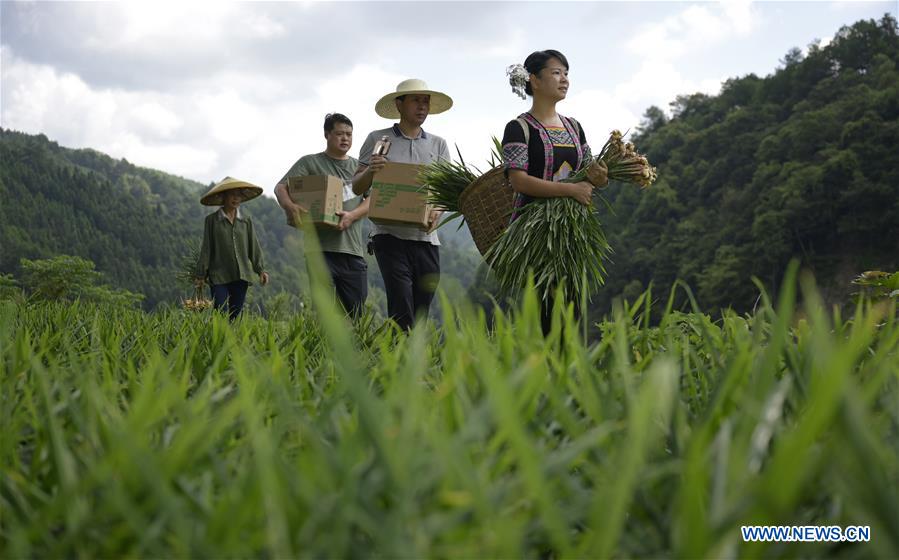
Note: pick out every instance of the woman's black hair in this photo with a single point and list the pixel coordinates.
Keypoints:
(537, 60)
(332, 119)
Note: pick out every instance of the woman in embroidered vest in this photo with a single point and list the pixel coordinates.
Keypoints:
(542, 147)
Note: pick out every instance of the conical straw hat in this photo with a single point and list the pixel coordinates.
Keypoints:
(386, 107)
(216, 195)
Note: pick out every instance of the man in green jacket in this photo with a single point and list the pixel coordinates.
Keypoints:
(341, 247)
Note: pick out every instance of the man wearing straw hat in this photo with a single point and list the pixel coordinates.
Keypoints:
(341, 248)
(230, 254)
(408, 257)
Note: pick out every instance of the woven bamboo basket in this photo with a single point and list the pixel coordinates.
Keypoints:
(487, 206)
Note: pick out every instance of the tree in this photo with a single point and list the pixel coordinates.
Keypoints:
(62, 277)
(798, 164)
(653, 119)
(65, 277)
(793, 57)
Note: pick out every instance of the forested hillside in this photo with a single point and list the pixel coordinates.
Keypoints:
(802, 163)
(136, 224)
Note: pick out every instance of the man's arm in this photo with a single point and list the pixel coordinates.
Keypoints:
(347, 218)
(292, 210)
(444, 152)
(365, 173)
(284, 200)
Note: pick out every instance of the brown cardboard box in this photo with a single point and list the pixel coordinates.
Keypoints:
(320, 195)
(397, 197)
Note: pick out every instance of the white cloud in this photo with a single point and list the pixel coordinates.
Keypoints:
(290, 129)
(599, 112)
(262, 26)
(137, 126)
(178, 27)
(156, 120)
(663, 47)
(207, 90)
(505, 47)
(224, 129)
(180, 159)
(694, 28)
(220, 130)
(658, 82)
(821, 44)
(40, 99)
(742, 17)
(228, 118)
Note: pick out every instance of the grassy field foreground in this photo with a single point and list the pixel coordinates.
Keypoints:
(178, 435)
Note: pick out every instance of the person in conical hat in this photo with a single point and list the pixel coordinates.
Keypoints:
(409, 257)
(230, 255)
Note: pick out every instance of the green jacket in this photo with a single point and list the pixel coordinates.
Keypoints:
(230, 252)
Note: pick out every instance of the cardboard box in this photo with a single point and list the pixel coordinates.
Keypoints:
(397, 197)
(320, 195)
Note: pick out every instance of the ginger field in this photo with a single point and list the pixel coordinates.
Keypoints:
(176, 434)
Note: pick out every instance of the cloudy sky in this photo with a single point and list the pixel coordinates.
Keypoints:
(205, 90)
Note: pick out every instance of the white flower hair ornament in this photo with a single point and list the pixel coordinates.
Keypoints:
(518, 79)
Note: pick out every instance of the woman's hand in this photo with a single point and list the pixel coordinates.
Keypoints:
(582, 192)
(263, 278)
(598, 174)
(198, 282)
(540, 188)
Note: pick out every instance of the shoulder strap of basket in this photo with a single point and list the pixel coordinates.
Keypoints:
(526, 129)
(577, 127)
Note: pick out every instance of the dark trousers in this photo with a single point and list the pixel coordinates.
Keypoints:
(411, 271)
(233, 294)
(349, 274)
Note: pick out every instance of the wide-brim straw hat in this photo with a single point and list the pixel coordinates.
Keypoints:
(216, 195)
(386, 107)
